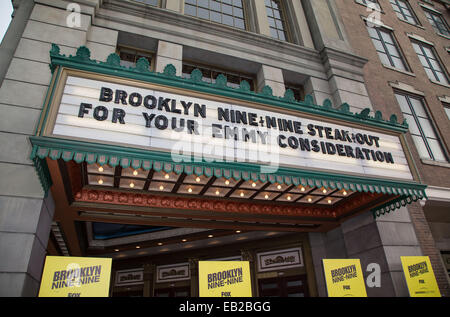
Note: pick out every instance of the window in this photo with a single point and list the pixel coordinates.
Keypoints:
(228, 12)
(210, 74)
(276, 20)
(429, 61)
(447, 109)
(404, 11)
(298, 90)
(437, 22)
(421, 127)
(371, 3)
(129, 56)
(150, 2)
(386, 47)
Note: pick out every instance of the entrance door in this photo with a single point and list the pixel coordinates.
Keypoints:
(291, 286)
(173, 292)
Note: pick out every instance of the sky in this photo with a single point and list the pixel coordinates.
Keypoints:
(6, 10)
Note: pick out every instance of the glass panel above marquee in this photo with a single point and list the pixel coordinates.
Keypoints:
(108, 114)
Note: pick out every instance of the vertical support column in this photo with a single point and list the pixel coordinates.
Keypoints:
(273, 77)
(247, 255)
(260, 17)
(193, 265)
(25, 212)
(169, 53)
(299, 27)
(148, 280)
(424, 235)
(175, 5)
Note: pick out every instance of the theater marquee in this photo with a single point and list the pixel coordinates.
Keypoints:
(192, 125)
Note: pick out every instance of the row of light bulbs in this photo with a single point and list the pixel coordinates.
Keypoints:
(182, 240)
(227, 182)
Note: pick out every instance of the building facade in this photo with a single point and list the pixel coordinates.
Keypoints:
(90, 89)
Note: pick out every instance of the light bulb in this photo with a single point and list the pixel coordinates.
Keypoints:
(289, 198)
(227, 182)
(242, 194)
(217, 192)
(100, 181)
(329, 201)
(161, 187)
(344, 193)
(167, 176)
(309, 199)
(135, 172)
(197, 179)
(266, 196)
(279, 186)
(190, 190)
(324, 191)
(253, 184)
(302, 189)
(132, 185)
(100, 169)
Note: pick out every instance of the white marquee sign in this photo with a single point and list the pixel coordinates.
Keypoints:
(222, 131)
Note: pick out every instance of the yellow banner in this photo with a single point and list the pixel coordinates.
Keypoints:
(224, 279)
(65, 276)
(419, 276)
(344, 278)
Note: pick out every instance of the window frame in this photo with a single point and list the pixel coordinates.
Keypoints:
(403, 15)
(434, 14)
(378, 30)
(284, 19)
(226, 72)
(422, 134)
(150, 55)
(435, 57)
(158, 5)
(245, 17)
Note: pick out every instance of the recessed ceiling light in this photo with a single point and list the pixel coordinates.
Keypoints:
(217, 192)
(160, 243)
(100, 169)
(227, 182)
(210, 236)
(253, 184)
(309, 199)
(132, 185)
(266, 196)
(302, 189)
(288, 197)
(279, 186)
(100, 181)
(135, 172)
(344, 193)
(167, 176)
(138, 247)
(238, 231)
(184, 240)
(161, 187)
(324, 191)
(190, 190)
(242, 194)
(116, 250)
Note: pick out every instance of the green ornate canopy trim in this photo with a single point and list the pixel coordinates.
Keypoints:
(67, 150)
(168, 77)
